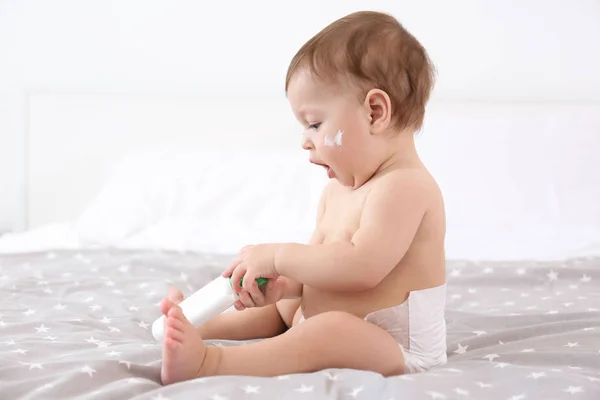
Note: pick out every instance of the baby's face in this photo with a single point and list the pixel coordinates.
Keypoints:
(336, 126)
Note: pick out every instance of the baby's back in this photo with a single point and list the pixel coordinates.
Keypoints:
(421, 267)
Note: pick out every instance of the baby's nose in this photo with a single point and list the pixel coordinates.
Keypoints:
(307, 143)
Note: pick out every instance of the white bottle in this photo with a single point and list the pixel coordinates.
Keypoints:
(205, 304)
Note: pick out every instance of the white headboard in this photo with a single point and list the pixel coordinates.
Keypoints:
(531, 169)
(74, 138)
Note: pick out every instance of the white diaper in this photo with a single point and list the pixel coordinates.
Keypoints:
(419, 327)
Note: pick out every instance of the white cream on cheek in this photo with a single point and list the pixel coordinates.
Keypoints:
(334, 141)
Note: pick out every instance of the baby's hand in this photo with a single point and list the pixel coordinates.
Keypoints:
(271, 293)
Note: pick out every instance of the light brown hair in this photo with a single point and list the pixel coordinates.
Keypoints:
(375, 51)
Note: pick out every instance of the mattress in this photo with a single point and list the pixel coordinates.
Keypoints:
(76, 324)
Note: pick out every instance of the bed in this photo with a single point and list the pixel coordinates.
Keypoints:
(81, 285)
(76, 324)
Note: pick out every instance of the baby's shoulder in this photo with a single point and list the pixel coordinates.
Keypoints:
(411, 190)
(416, 180)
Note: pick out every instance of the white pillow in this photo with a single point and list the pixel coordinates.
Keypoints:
(204, 200)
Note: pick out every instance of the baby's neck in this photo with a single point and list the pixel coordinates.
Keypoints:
(402, 154)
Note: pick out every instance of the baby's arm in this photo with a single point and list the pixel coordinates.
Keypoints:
(392, 214)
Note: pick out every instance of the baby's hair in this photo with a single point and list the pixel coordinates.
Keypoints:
(368, 50)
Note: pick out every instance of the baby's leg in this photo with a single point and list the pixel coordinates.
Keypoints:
(329, 340)
(252, 323)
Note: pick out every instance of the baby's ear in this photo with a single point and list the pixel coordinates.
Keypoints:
(379, 107)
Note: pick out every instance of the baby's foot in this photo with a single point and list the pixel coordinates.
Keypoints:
(183, 350)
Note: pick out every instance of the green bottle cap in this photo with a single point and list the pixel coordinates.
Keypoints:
(261, 281)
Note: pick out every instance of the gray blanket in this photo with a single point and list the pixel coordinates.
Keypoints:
(76, 325)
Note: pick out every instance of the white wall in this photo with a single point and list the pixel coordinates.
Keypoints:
(529, 50)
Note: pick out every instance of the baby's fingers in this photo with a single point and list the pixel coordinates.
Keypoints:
(236, 277)
(246, 300)
(257, 295)
(238, 305)
(231, 267)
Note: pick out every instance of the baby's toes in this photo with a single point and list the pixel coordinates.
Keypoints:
(176, 313)
(166, 305)
(175, 295)
(175, 324)
(174, 330)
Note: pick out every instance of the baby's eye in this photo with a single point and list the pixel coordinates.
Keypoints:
(314, 127)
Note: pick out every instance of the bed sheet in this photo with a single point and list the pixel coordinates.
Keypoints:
(76, 324)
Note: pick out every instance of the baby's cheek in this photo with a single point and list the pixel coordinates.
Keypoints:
(334, 139)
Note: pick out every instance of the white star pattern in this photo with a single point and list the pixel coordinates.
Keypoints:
(461, 391)
(435, 395)
(574, 389)
(461, 349)
(92, 340)
(538, 292)
(305, 389)
(491, 357)
(536, 375)
(88, 370)
(252, 389)
(143, 324)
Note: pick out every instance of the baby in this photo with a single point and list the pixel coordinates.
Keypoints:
(368, 291)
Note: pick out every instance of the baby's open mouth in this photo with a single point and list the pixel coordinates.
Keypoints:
(327, 168)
